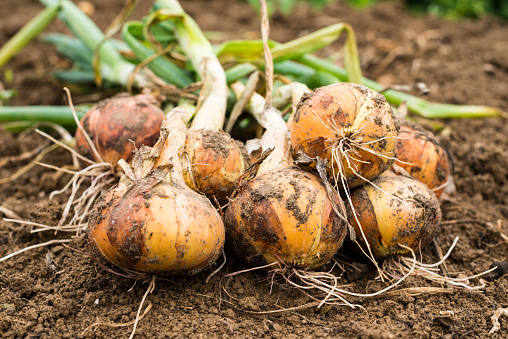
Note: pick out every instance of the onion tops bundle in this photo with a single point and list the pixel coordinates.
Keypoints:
(212, 160)
(151, 221)
(349, 125)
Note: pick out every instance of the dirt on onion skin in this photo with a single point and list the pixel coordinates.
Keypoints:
(213, 162)
(284, 216)
(423, 156)
(460, 62)
(156, 224)
(349, 125)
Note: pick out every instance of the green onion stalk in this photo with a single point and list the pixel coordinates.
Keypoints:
(414, 104)
(212, 108)
(161, 66)
(252, 50)
(112, 66)
(294, 59)
(34, 27)
(17, 118)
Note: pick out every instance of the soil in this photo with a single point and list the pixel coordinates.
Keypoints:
(54, 291)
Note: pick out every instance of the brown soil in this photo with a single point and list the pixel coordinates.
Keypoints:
(461, 63)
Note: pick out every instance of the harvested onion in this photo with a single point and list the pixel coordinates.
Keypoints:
(212, 162)
(423, 157)
(151, 221)
(284, 216)
(117, 124)
(349, 125)
(394, 210)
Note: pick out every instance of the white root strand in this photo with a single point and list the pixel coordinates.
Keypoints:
(51, 242)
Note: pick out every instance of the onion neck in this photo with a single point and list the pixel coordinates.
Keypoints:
(290, 93)
(213, 97)
(212, 109)
(164, 154)
(276, 131)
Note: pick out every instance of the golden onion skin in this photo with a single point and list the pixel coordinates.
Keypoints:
(354, 114)
(156, 226)
(284, 216)
(114, 124)
(395, 209)
(212, 162)
(423, 157)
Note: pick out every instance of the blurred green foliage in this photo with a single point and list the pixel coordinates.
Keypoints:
(452, 9)
(285, 7)
(456, 9)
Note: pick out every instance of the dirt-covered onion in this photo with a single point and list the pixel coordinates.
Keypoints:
(212, 162)
(151, 221)
(283, 214)
(394, 210)
(118, 124)
(423, 157)
(351, 126)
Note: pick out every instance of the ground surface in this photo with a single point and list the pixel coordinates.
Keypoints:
(461, 63)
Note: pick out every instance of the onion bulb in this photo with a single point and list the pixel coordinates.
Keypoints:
(151, 221)
(212, 162)
(394, 210)
(423, 157)
(284, 216)
(117, 124)
(349, 125)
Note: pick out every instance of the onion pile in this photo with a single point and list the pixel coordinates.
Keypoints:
(151, 221)
(116, 125)
(349, 125)
(423, 157)
(394, 210)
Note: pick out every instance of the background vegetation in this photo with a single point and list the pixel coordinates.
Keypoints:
(452, 9)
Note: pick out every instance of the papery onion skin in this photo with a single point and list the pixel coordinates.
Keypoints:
(118, 124)
(394, 209)
(343, 111)
(212, 162)
(284, 216)
(423, 157)
(156, 226)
